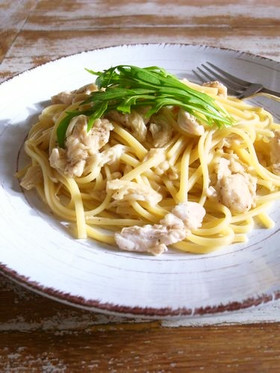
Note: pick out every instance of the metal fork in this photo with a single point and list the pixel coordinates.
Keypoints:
(236, 86)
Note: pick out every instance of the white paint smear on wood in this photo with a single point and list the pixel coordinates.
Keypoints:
(17, 61)
(269, 312)
(100, 9)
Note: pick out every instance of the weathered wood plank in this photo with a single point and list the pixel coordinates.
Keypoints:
(86, 13)
(47, 45)
(13, 17)
(25, 311)
(145, 348)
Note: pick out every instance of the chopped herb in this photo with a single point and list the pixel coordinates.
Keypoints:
(126, 87)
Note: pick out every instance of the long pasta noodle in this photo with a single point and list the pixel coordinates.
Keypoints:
(185, 167)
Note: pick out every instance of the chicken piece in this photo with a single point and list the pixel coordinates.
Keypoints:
(149, 238)
(131, 191)
(189, 124)
(58, 160)
(161, 126)
(68, 97)
(160, 134)
(275, 152)
(235, 188)
(236, 192)
(92, 140)
(222, 89)
(174, 227)
(133, 121)
(190, 213)
(86, 89)
(109, 156)
(161, 129)
(82, 93)
(65, 97)
(80, 145)
(32, 178)
(222, 168)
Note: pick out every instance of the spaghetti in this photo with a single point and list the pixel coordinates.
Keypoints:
(131, 173)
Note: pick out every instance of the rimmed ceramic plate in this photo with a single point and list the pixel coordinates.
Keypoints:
(37, 252)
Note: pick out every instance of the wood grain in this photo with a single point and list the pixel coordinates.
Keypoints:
(145, 348)
(13, 16)
(41, 335)
(58, 28)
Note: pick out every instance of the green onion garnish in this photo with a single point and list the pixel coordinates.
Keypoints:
(127, 87)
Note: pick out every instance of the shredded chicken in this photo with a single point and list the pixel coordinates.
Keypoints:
(189, 124)
(109, 156)
(222, 89)
(161, 129)
(125, 190)
(65, 97)
(235, 188)
(161, 134)
(92, 140)
(275, 152)
(32, 178)
(80, 145)
(87, 89)
(236, 193)
(190, 213)
(133, 121)
(174, 227)
(68, 97)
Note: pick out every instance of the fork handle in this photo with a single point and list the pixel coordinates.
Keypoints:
(270, 91)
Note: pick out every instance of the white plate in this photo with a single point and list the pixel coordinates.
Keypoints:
(36, 251)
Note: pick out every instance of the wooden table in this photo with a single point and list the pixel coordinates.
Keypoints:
(40, 335)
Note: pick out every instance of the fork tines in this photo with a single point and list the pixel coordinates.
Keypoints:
(211, 72)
